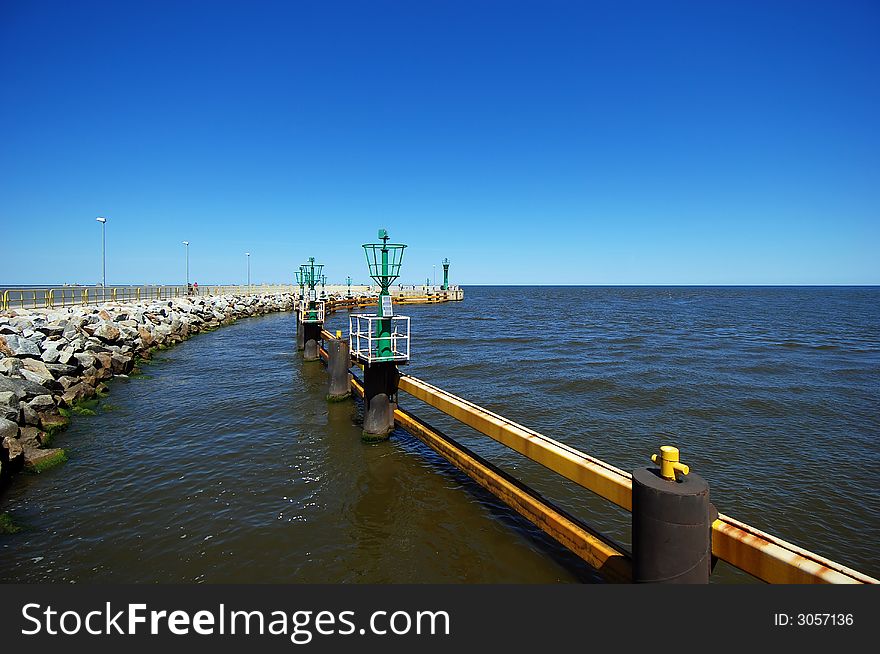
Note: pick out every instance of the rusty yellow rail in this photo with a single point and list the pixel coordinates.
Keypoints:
(605, 480)
(758, 553)
(608, 558)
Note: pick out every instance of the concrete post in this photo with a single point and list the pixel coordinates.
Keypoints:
(671, 528)
(311, 336)
(338, 366)
(300, 334)
(380, 400)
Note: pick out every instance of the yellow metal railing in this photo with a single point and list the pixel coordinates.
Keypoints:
(69, 296)
(758, 553)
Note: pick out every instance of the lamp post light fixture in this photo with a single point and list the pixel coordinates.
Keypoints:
(103, 222)
(186, 243)
(248, 255)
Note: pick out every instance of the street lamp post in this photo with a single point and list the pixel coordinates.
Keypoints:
(249, 271)
(435, 274)
(103, 222)
(186, 243)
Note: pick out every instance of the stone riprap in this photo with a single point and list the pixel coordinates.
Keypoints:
(52, 360)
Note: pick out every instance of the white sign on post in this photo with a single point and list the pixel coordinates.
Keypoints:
(387, 310)
(313, 294)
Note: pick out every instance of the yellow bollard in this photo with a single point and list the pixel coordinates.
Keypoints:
(669, 463)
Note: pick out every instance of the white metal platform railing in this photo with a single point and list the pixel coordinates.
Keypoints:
(311, 314)
(365, 342)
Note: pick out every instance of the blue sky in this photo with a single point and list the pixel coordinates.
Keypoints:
(598, 143)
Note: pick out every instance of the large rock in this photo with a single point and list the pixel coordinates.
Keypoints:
(28, 415)
(39, 369)
(121, 364)
(146, 336)
(9, 405)
(103, 359)
(24, 388)
(30, 437)
(8, 429)
(42, 403)
(22, 347)
(95, 345)
(10, 366)
(61, 370)
(14, 449)
(4, 347)
(52, 420)
(67, 381)
(107, 332)
(86, 359)
(52, 330)
(77, 393)
(31, 376)
(38, 460)
(50, 355)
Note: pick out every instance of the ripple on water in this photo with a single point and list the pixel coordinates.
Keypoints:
(227, 464)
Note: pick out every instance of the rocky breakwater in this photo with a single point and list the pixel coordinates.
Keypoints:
(52, 361)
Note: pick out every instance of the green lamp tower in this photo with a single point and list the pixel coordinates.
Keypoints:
(445, 275)
(384, 260)
(300, 336)
(311, 310)
(348, 279)
(380, 341)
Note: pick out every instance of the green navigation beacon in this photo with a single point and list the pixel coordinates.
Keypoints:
(445, 286)
(323, 287)
(383, 261)
(380, 341)
(311, 309)
(348, 279)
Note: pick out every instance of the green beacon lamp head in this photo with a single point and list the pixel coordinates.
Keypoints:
(384, 260)
(311, 272)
